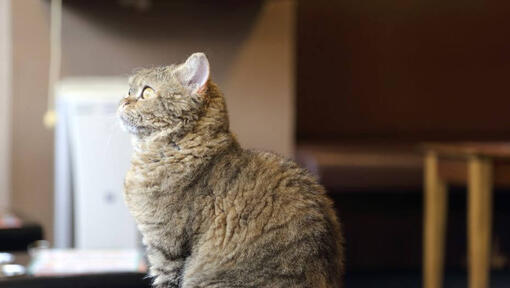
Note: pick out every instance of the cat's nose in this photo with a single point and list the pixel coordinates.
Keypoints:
(124, 102)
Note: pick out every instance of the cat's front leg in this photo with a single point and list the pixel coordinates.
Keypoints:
(166, 265)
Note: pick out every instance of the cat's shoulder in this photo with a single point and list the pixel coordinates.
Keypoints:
(278, 161)
(284, 172)
(269, 157)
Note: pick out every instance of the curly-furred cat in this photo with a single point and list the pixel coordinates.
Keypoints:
(211, 213)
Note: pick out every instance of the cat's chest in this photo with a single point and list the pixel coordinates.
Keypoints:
(146, 192)
(144, 180)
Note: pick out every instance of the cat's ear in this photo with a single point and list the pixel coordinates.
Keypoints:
(194, 73)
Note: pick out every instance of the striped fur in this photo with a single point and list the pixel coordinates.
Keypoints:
(213, 214)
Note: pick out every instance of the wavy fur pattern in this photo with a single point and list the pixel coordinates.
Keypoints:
(213, 214)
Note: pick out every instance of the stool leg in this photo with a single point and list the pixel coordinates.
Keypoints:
(479, 221)
(436, 200)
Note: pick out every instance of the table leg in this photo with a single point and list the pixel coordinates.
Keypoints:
(479, 221)
(436, 200)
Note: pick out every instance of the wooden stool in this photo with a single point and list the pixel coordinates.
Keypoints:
(480, 165)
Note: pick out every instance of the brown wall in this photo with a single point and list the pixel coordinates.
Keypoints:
(403, 70)
(250, 47)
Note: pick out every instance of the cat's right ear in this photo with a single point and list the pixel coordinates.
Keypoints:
(194, 73)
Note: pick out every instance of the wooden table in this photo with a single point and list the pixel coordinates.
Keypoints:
(480, 166)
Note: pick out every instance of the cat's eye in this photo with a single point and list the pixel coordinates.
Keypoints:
(148, 93)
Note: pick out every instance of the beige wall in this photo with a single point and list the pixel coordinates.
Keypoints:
(5, 103)
(259, 83)
(250, 47)
(32, 144)
(251, 53)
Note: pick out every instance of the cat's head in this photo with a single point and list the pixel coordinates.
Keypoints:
(168, 97)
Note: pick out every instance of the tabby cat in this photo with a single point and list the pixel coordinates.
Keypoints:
(211, 213)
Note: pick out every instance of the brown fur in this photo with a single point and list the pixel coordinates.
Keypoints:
(213, 214)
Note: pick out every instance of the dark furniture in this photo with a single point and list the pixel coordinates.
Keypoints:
(17, 239)
(110, 280)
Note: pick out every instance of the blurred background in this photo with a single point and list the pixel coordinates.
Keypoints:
(350, 89)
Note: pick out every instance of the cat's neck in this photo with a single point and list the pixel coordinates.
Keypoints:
(196, 143)
(183, 161)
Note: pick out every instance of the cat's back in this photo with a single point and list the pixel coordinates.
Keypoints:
(256, 187)
(262, 191)
(271, 219)
(273, 172)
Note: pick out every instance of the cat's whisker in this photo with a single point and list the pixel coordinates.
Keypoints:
(113, 128)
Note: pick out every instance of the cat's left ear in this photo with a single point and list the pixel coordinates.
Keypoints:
(194, 73)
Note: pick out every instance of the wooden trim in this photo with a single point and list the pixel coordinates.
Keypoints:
(455, 171)
(5, 103)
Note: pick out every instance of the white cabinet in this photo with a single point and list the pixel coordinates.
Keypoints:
(92, 155)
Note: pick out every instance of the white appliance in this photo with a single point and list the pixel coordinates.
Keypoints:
(92, 155)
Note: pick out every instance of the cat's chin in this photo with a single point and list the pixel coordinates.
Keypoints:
(127, 126)
(134, 130)
(126, 123)
(130, 128)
